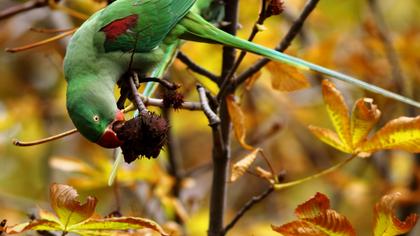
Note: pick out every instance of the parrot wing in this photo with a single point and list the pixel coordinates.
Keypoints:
(139, 25)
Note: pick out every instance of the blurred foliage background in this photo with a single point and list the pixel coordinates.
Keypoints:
(342, 35)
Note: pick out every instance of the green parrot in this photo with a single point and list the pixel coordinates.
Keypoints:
(145, 36)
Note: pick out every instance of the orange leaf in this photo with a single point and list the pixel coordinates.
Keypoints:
(238, 120)
(68, 209)
(329, 137)
(286, 78)
(385, 221)
(298, 228)
(313, 207)
(364, 117)
(316, 218)
(401, 133)
(338, 112)
(240, 167)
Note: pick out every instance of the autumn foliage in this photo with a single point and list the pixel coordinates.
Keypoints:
(255, 141)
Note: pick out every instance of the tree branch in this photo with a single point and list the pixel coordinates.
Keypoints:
(197, 68)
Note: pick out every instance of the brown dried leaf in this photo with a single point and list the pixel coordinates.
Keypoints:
(286, 78)
(240, 167)
(338, 112)
(68, 209)
(401, 133)
(385, 221)
(316, 218)
(329, 137)
(34, 225)
(364, 117)
(238, 120)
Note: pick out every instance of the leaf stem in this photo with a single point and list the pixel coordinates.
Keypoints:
(320, 174)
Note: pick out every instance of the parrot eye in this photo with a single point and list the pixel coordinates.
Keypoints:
(96, 118)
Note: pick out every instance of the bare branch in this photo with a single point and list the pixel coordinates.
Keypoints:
(252, 202)
(211, 115)
(197, 68)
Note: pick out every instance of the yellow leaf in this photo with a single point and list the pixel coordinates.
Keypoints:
(238, 121)
(117, 223)
(329, 137)
(338, 112)
(315, 218)
(385, 221)
(240, 167)
(402, 133)
(286, 78)
(364, 117)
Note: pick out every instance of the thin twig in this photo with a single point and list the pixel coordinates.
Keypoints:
(163, 82)
(214, 120)
(45, 140)
(261, 18)
(41, 43)
(284, 44)
(254, 200)
(148, 101)
(197, 68)
(49, 31)
(27, 6)
(135, 94)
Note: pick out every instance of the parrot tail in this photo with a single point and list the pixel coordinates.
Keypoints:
(198, 29)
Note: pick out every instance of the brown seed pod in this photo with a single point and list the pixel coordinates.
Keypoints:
(172, 98)
(143, 136)
(275, 7)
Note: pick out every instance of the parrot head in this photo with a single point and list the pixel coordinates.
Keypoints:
(93, 110)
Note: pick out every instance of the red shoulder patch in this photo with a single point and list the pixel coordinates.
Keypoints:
(119, 27)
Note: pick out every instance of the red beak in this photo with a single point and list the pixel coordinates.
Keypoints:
(109, 138)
